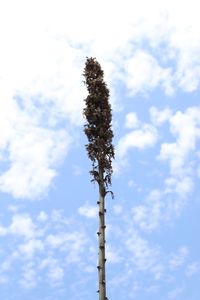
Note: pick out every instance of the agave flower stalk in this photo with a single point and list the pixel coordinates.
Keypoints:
(100, 150)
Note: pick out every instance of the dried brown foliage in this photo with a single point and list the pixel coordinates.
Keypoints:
(99, 117)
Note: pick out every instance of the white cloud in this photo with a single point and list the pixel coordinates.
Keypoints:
(65, 246)
(48, 262)
(112, 255)
(32, 152)
(162, 205)
(72, 243)
(88, 210)
(192, 269)
(3, 231)
(30, 278)
(185, 40)
(181, 186)
(56, 241)
(185, 126)
(149, 214)
(131, 120)
(22, 225)
(177, 260)
(144, 256)
(139, 70)
(160, 23)
(122, 279)
(42, 217)
(158, 117)
(168, 202)
(41, 66)
(56, 274)
(31, 247)
(139, 139)
(43, 249)
(37, 80)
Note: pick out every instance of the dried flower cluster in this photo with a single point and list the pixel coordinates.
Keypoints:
(98, 115)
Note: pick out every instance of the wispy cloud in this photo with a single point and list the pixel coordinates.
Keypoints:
(161, 203)
(192, 269)
(179, 258)
(43, 48)
(44, 62)
(45, 247)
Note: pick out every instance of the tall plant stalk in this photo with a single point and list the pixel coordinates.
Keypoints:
(100, 150)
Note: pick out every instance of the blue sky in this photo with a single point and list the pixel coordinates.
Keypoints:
(149, 52)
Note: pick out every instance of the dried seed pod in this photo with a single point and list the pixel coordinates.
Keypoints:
(99, 116)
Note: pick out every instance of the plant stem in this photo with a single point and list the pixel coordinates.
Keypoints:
(101, 235)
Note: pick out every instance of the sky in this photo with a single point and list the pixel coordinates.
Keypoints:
(150, 54)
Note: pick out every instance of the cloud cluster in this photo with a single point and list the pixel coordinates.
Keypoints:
(41, 63)
(144, 256)
(193, 268)
(88, 210)
(142, 136)
(181, 154)
(29, 151)
(139, 77)
(49, 250)
(43, 245)
(38, 96)
(185, 127)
